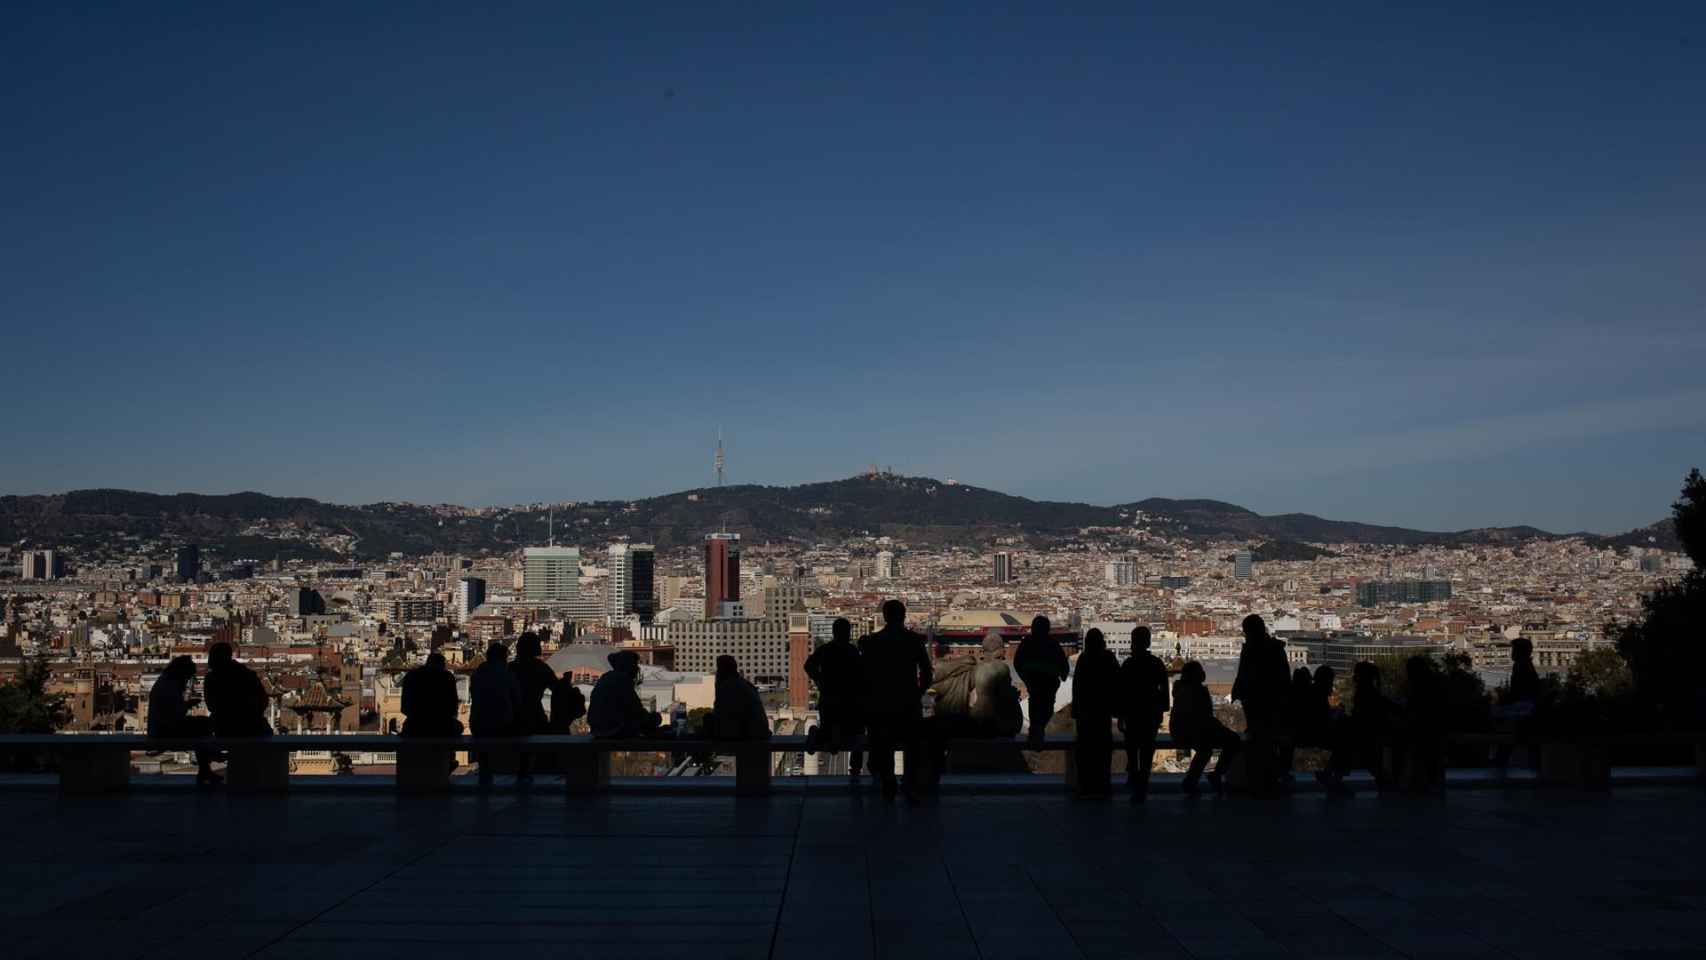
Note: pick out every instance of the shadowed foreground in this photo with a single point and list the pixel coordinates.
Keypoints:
(1492, 873)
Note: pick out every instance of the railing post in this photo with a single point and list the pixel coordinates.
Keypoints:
(91, 770)
(752, 770)
(257, 768)
(1700, 762)
(586, 769)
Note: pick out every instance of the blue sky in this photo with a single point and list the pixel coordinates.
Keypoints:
(1441, 268)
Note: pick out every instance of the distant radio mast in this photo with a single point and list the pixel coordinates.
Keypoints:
(718, 462)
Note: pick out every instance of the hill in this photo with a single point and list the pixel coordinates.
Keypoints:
(918, 509)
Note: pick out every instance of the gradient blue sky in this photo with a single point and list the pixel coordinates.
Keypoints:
(1442, 269)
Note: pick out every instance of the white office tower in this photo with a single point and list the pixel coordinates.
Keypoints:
(470, 594)
(887, 568)
(1003, 568)
(1120, 573)
(619, 592)
(551, 574)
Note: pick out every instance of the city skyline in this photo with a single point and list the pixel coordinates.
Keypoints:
(1431, 269)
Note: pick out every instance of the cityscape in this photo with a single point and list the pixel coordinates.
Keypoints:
(775, 481)
(107, 619)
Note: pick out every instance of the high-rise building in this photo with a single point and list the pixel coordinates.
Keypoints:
(470, 594)
(1120, 573)
(1175, 582)
(551, 574)
(722, 575)
(887, 568)
(1003, 568)
(306, 602)
(41, 565)
(632, 568)
(1243, 564)
(189, 563)
(799, 648)
(416, 609)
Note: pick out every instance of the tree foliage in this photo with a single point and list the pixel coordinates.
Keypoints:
(25, 704)
(1665, 649)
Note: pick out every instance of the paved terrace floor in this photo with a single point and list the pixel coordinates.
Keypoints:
(1487, 873)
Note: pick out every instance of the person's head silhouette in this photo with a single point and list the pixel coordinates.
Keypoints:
(1094, 642)
(1324, 676)
(841, 629)
(1193, 673)
(1139, 639)
(1039, 626)
(894, 613)
(1255, 628)
(435, 661)
(727, 666)
(497, 652)
(528, 647)
(1366, 676)
(182, 667)
(219, 655)
(1522, 650)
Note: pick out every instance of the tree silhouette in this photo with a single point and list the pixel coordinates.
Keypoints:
(1665, 649)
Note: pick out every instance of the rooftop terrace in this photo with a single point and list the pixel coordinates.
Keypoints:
(1510, 873)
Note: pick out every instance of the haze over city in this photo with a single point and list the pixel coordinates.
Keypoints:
(1436, 268)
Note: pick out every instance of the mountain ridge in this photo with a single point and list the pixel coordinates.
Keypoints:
(917, 509)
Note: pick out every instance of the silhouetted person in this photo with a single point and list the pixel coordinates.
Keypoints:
(1095, 698)
(1042, 665)
(568, 704)
(534, 676)
(1194, 726)
(494, 703)
(840, 679)
(1143, 701)
(738, 711)
(1424, 725)
(1298, 717)
(1261, 687)
(430, 700)
(897, 672)
(1519, 700)
(1359, 736)
(616, 710)
(169, 706)
(236, 698)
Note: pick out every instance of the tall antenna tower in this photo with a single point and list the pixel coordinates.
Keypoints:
(718, 462)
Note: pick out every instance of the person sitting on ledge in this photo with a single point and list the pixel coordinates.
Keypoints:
(568, 704)
(236, 698)
(738, 712)
(1194, 725)
(430, 701)
(168, 715)
(616, 711)
(1359, 736)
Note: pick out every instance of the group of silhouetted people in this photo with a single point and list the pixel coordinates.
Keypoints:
(879, 689)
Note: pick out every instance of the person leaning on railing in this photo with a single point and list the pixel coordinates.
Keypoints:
(1095, 692)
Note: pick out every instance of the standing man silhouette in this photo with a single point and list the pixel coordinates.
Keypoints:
(1095, 699)
(840, 679)
(1143, 701)
(897, 672)
(1262, 685)
(1042, 666)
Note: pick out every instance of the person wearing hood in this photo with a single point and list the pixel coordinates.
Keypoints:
(616, 710)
